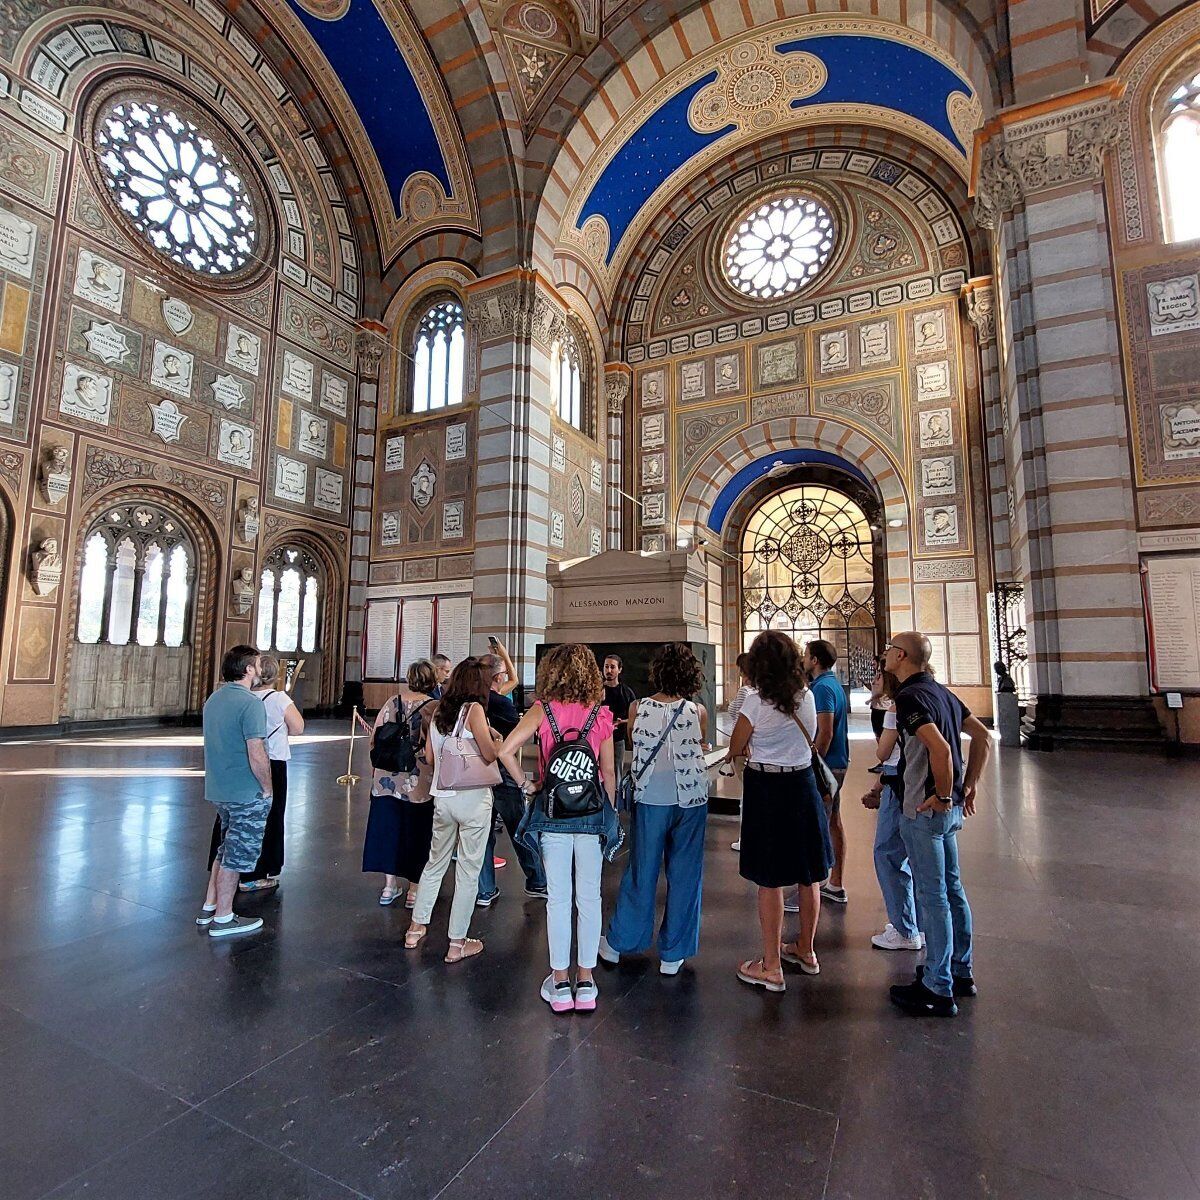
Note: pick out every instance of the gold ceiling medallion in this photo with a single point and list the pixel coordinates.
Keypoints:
(755, 88)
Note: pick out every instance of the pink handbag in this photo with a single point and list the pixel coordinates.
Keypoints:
(460, 765)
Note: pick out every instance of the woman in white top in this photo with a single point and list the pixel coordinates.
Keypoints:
(742, 662)
(283, 721)
(461, 818)
(670, 812)
(785, 833)
(891, 859)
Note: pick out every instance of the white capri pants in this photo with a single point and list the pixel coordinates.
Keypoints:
(562, 852)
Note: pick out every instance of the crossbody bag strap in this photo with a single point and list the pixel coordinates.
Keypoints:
(281, 723)
(666, 734)
(811, 746)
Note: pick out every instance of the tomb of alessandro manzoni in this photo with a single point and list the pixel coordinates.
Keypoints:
(574, 574)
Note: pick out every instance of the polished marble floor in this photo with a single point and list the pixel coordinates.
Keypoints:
(141, 1061)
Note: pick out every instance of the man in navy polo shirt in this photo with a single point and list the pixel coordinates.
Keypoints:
(833, 745)
(936, 791)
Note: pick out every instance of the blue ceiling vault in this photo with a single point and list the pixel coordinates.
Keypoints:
(362, 51)
(862, 70)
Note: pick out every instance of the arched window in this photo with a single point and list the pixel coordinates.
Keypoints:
(289, 602)
(439, 353)
(136, 582)
(1179, 158)
(568, 378)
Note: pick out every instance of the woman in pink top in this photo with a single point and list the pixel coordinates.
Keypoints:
(570, 686)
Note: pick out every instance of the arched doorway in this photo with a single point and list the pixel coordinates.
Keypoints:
(809, 568)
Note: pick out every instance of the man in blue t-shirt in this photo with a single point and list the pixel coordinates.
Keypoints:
(237, 783)
(936, 790)
(833, 745)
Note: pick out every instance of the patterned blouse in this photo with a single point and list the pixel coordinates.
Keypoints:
(384, 783)
(678, 774)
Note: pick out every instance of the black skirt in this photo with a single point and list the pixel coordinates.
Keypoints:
(785, 833)
(270, 858)
(399, 834)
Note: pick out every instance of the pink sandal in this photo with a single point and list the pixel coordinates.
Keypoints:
(754, 971)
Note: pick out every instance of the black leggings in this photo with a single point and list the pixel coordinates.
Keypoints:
(270, 857)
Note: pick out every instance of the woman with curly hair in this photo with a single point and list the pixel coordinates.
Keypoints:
(785, 833)
(670, 782)
(570, 705)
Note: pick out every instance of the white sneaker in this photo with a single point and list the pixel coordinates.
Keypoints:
(736, 847)
(558, 995)
(606, 952)
(892, 939)
(670, 968)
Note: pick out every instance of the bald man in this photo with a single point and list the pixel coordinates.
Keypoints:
(937, 791)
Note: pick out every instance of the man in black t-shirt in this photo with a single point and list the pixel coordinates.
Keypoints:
(936, 790)
(617, 699)
(507, 799)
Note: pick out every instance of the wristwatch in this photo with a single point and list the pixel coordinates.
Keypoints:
(945, 800)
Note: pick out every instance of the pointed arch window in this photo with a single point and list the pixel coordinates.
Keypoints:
(568, 378)
(136, 580)
(1179, 158)
(291, 589)
(438, 357)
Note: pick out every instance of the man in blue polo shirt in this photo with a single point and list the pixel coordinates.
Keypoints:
(936, 791)
(833, 745)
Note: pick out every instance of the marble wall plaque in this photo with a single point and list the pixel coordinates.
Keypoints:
(595, 542)
(653, 432)
(558, 453)
(1181, 431)
(10, 377)
(334, 394)
(393, 454)
(99, 281)
(327, 491)
(18, 244)
(654, 508)
(297, 377)
(243, 349)
(654, 468)
(937, 429)
(1174, 304)
(452, 519)
(106, 342)
(235, 445)
(692, 381)
(834, 351)
(597, 476)
(929, 332)
(933, 381)
(166, 420)
(456, 442)
(778, 363)
(171, 369)
(938, 477)
(728, 373)
(228, 391)
(314, 435)
(389, 529)
(178, 314)
(654, 388)
(86, 395)
(875, 344)
(558, 529)
(941, 525)
(291, 480)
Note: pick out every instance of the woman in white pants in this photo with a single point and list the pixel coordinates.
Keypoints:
(570, 694)
(461, 818)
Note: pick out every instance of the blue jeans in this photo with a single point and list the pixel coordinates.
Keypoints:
(676, 834)
(931, 840)
(510, 808)
(891, 866)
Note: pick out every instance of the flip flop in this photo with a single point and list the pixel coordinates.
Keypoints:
(412, 938)
(753, 971)
(467, 948)
(788, 954)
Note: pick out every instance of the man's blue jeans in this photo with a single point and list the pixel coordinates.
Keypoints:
(891, 866)
(510, 808)
(931, 840)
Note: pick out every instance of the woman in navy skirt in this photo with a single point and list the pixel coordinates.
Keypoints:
(785, 833)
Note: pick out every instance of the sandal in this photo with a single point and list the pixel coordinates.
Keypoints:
(807, 963)
(412, 938)
(461, 948)
(388, 896)
(754, 971)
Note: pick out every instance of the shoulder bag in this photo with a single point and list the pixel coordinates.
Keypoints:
(460, 765)
(627, 788)
(827, 783)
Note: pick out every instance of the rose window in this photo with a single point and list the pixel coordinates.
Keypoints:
(177, 187)
(779, 247)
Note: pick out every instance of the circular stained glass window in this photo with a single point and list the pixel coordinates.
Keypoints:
(779, 247)
(177, 186)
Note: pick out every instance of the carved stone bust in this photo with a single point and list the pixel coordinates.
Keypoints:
(247, 519)
(45, 567)
(243, 591)
(55, 474)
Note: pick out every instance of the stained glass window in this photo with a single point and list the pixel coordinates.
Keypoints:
(808, 569)
(779, 246)
(1180, 157)
(439, 352)
(289, 602)
(176, 186)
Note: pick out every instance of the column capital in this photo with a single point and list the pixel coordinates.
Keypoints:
(980, 297)
(618, 377)
(1035, 147)
(369, 343)
(518, 303)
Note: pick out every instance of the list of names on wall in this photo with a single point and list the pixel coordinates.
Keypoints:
(380, 658)
(454, 627)
(1175, 620)
(416, 631)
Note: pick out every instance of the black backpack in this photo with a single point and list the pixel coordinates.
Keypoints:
(393, 749)
(571, 782)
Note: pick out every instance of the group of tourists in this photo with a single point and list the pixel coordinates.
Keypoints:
(447, 776)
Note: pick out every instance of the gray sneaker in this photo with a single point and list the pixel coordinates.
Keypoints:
(206, 915)
(236, 927)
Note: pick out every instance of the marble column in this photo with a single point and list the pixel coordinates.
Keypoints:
(517, 316)
(1038, 187)
(617, 380)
